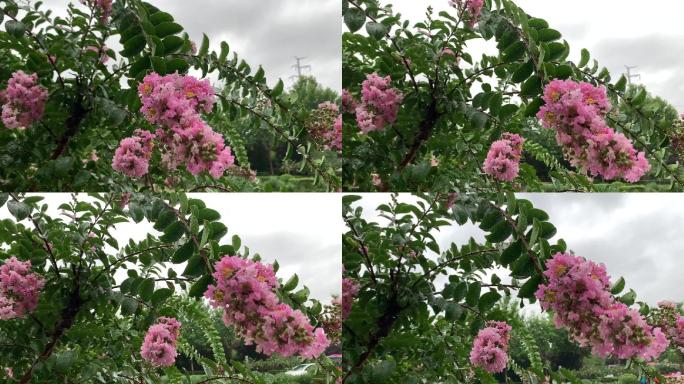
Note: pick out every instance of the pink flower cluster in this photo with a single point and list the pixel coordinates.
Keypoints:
(325, 126)
(23, 101)
(503, 158)
(245, 290)
(578, 293)
(159, 345)
(19, 289)
(490, 348)
(473, 7)
(132, 158)
(668, 318)
(350, 288)
(379, 103)
(577, 111)
(104, 7)
(174, 104)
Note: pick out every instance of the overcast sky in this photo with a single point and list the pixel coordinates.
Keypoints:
(301, 231)
(617, 33)
(266, 32)
(638, 236)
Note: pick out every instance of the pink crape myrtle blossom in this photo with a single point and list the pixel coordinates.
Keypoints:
(245, 290)
(103, 7)
(578, 294)
(159, 345)
(175, 101)
(132, 157)
(23, 101)
(473, 7)
(100, 51)
(503, 158)
(350, 288)
(379, 104)
(19, 289)
(490, 348)
(577, 112)
(325, 126)
(348, 102)
(668, 318)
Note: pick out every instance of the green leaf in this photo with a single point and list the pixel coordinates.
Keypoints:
(15, 28)
(65, 360)
(146, 289)
(531, 87)
(523, 72)
(563, 71)
(291, 283)
(160, 17)
(173, 232)
(639, 98)
(278, 89)
(453, 311)
(301, 296)
(514, 52)
(208, 214)
(585, 58)
(160, 295)
(621, 84)
(376, 30)
(533, 107)
(473, 294)
(236, 242)
(528, 289)
(197, 290)
(177, 65)
(195, 266)
(488, 300)
(618, 286)
(19, 210)
(167, 28)
(134, 46)
(166, 217)
(354, 19)
(204, 49)
(547, 34)
(218, 230)
(184, 252)
(128, 306)
(500, 232)
(172, 44)
(628, 298)
(511, 254)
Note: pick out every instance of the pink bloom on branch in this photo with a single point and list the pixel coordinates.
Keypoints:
(24, 101)
(379, 104)
(350, 288)
(473, 7)
(490, 348)
(19, 289)
(133, 155)
(348, 102)
(503, 158)
(104, 7)
(245, 289)
(159, 345)
(578, 294)
(577, 112)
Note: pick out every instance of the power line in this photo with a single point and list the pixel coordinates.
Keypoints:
(631, 76)
(299, 67)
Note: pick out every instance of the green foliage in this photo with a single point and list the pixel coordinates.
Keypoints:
(94, 105)
(101, 296)
(454, 108)
(420, 304)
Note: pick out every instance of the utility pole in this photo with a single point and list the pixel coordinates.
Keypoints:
(299, 67)
(631, 76)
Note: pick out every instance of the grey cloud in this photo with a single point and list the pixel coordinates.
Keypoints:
(311, 260)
